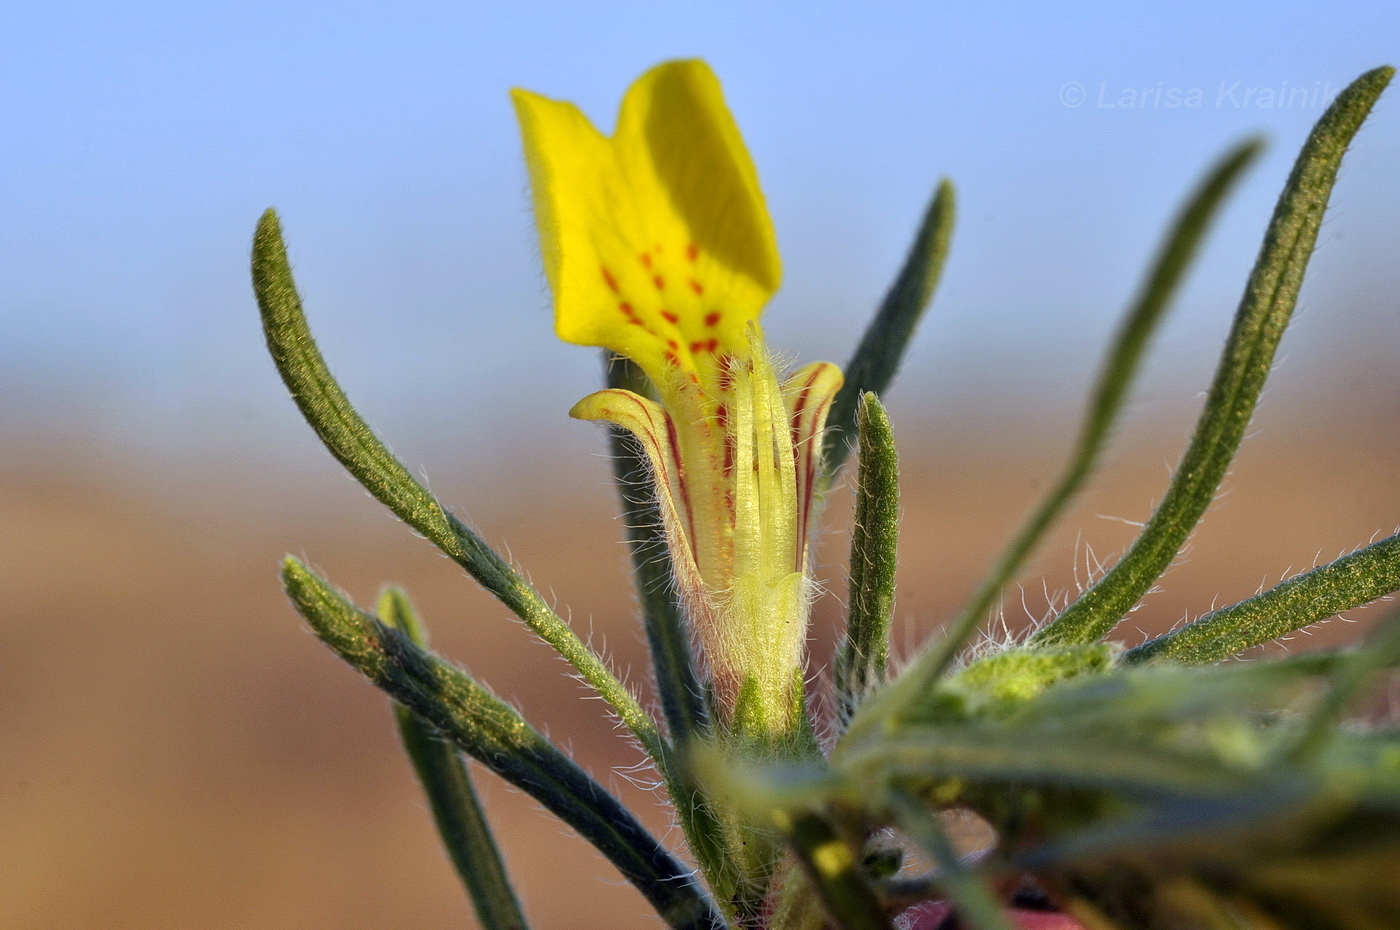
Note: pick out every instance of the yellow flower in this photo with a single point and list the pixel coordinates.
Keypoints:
(658, 246)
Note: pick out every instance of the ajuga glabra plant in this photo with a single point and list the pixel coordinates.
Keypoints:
(1159, 786)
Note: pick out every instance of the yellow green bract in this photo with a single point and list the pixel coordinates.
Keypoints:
(658, 246)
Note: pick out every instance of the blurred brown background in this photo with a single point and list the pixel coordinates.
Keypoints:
(177, 751)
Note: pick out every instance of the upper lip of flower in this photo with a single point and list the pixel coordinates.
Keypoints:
(656, 241)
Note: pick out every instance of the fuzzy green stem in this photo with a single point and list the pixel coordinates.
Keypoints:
(1106, 403)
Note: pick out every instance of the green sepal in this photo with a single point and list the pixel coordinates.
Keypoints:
(753, 733)
(997, 684)
(863, 655)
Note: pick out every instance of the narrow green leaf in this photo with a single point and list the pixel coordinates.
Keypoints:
(350, 440)
(490, 731)
(1263, 314)
(977, 907)
(682, 696)
(873, 366)
(833, 868)
(864, 652)
(1106, 403)
(1301, 601)
(456, 811)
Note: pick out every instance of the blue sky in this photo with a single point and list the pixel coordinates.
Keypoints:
(141, 141)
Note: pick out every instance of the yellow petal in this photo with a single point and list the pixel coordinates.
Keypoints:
(657, 243)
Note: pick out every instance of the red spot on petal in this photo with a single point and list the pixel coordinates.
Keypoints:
(646, 259)
(626, 309)
(712, 318)
(712, 345)
(673, 358)
(670, 317)
(692, 251)
(672, 344)
(696, 347)
(696, 286)
(611, 281)
(659, 281)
